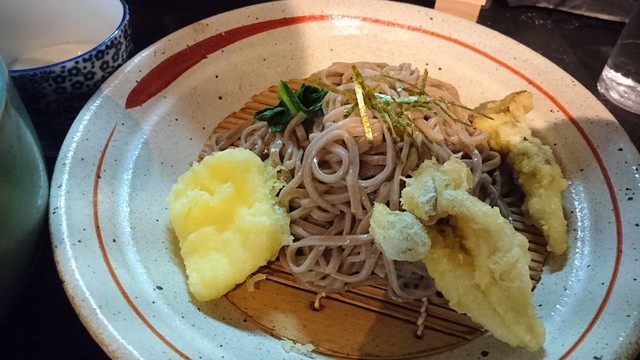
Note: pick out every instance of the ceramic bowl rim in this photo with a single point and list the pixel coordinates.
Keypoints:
(118, 29)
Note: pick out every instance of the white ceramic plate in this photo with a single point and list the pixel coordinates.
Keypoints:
(128, 146)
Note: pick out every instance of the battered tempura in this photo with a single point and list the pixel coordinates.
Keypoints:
(478, 260)
(533, 164)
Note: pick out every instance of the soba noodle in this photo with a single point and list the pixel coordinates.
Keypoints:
(334, 174)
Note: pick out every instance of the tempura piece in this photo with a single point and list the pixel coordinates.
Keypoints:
(542, 182)
(533, 164)
(504, 122)
(225, 215)
(420, 198)
(478, 260)
(398, 234)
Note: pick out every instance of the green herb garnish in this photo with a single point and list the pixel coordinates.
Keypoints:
(307, 99)
(421, 98)
(393, 120)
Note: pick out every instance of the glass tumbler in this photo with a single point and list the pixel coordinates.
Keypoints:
(620, 78)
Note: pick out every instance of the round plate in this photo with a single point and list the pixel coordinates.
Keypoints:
(116, 253)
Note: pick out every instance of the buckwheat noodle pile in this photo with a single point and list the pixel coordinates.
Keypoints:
(333, 174)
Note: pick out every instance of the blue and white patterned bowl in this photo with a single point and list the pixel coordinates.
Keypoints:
(54, 93)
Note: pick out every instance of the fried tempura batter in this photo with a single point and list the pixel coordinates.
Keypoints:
(533, 164)
(478, 260)
(398, 234)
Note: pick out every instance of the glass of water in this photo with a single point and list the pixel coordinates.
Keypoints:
(620, 78)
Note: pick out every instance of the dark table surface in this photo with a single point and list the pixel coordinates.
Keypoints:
(42, 323)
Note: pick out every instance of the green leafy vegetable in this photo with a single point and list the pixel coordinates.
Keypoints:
(307, 99)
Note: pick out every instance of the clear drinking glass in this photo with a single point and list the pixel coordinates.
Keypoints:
(620, 78)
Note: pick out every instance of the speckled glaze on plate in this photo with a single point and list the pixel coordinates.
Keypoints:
(117, 256)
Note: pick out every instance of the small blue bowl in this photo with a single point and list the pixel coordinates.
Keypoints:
(54, 93)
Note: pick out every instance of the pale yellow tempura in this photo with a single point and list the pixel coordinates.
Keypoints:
(533, 164)
(478, 260)
(228, 223)
(398, 234)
